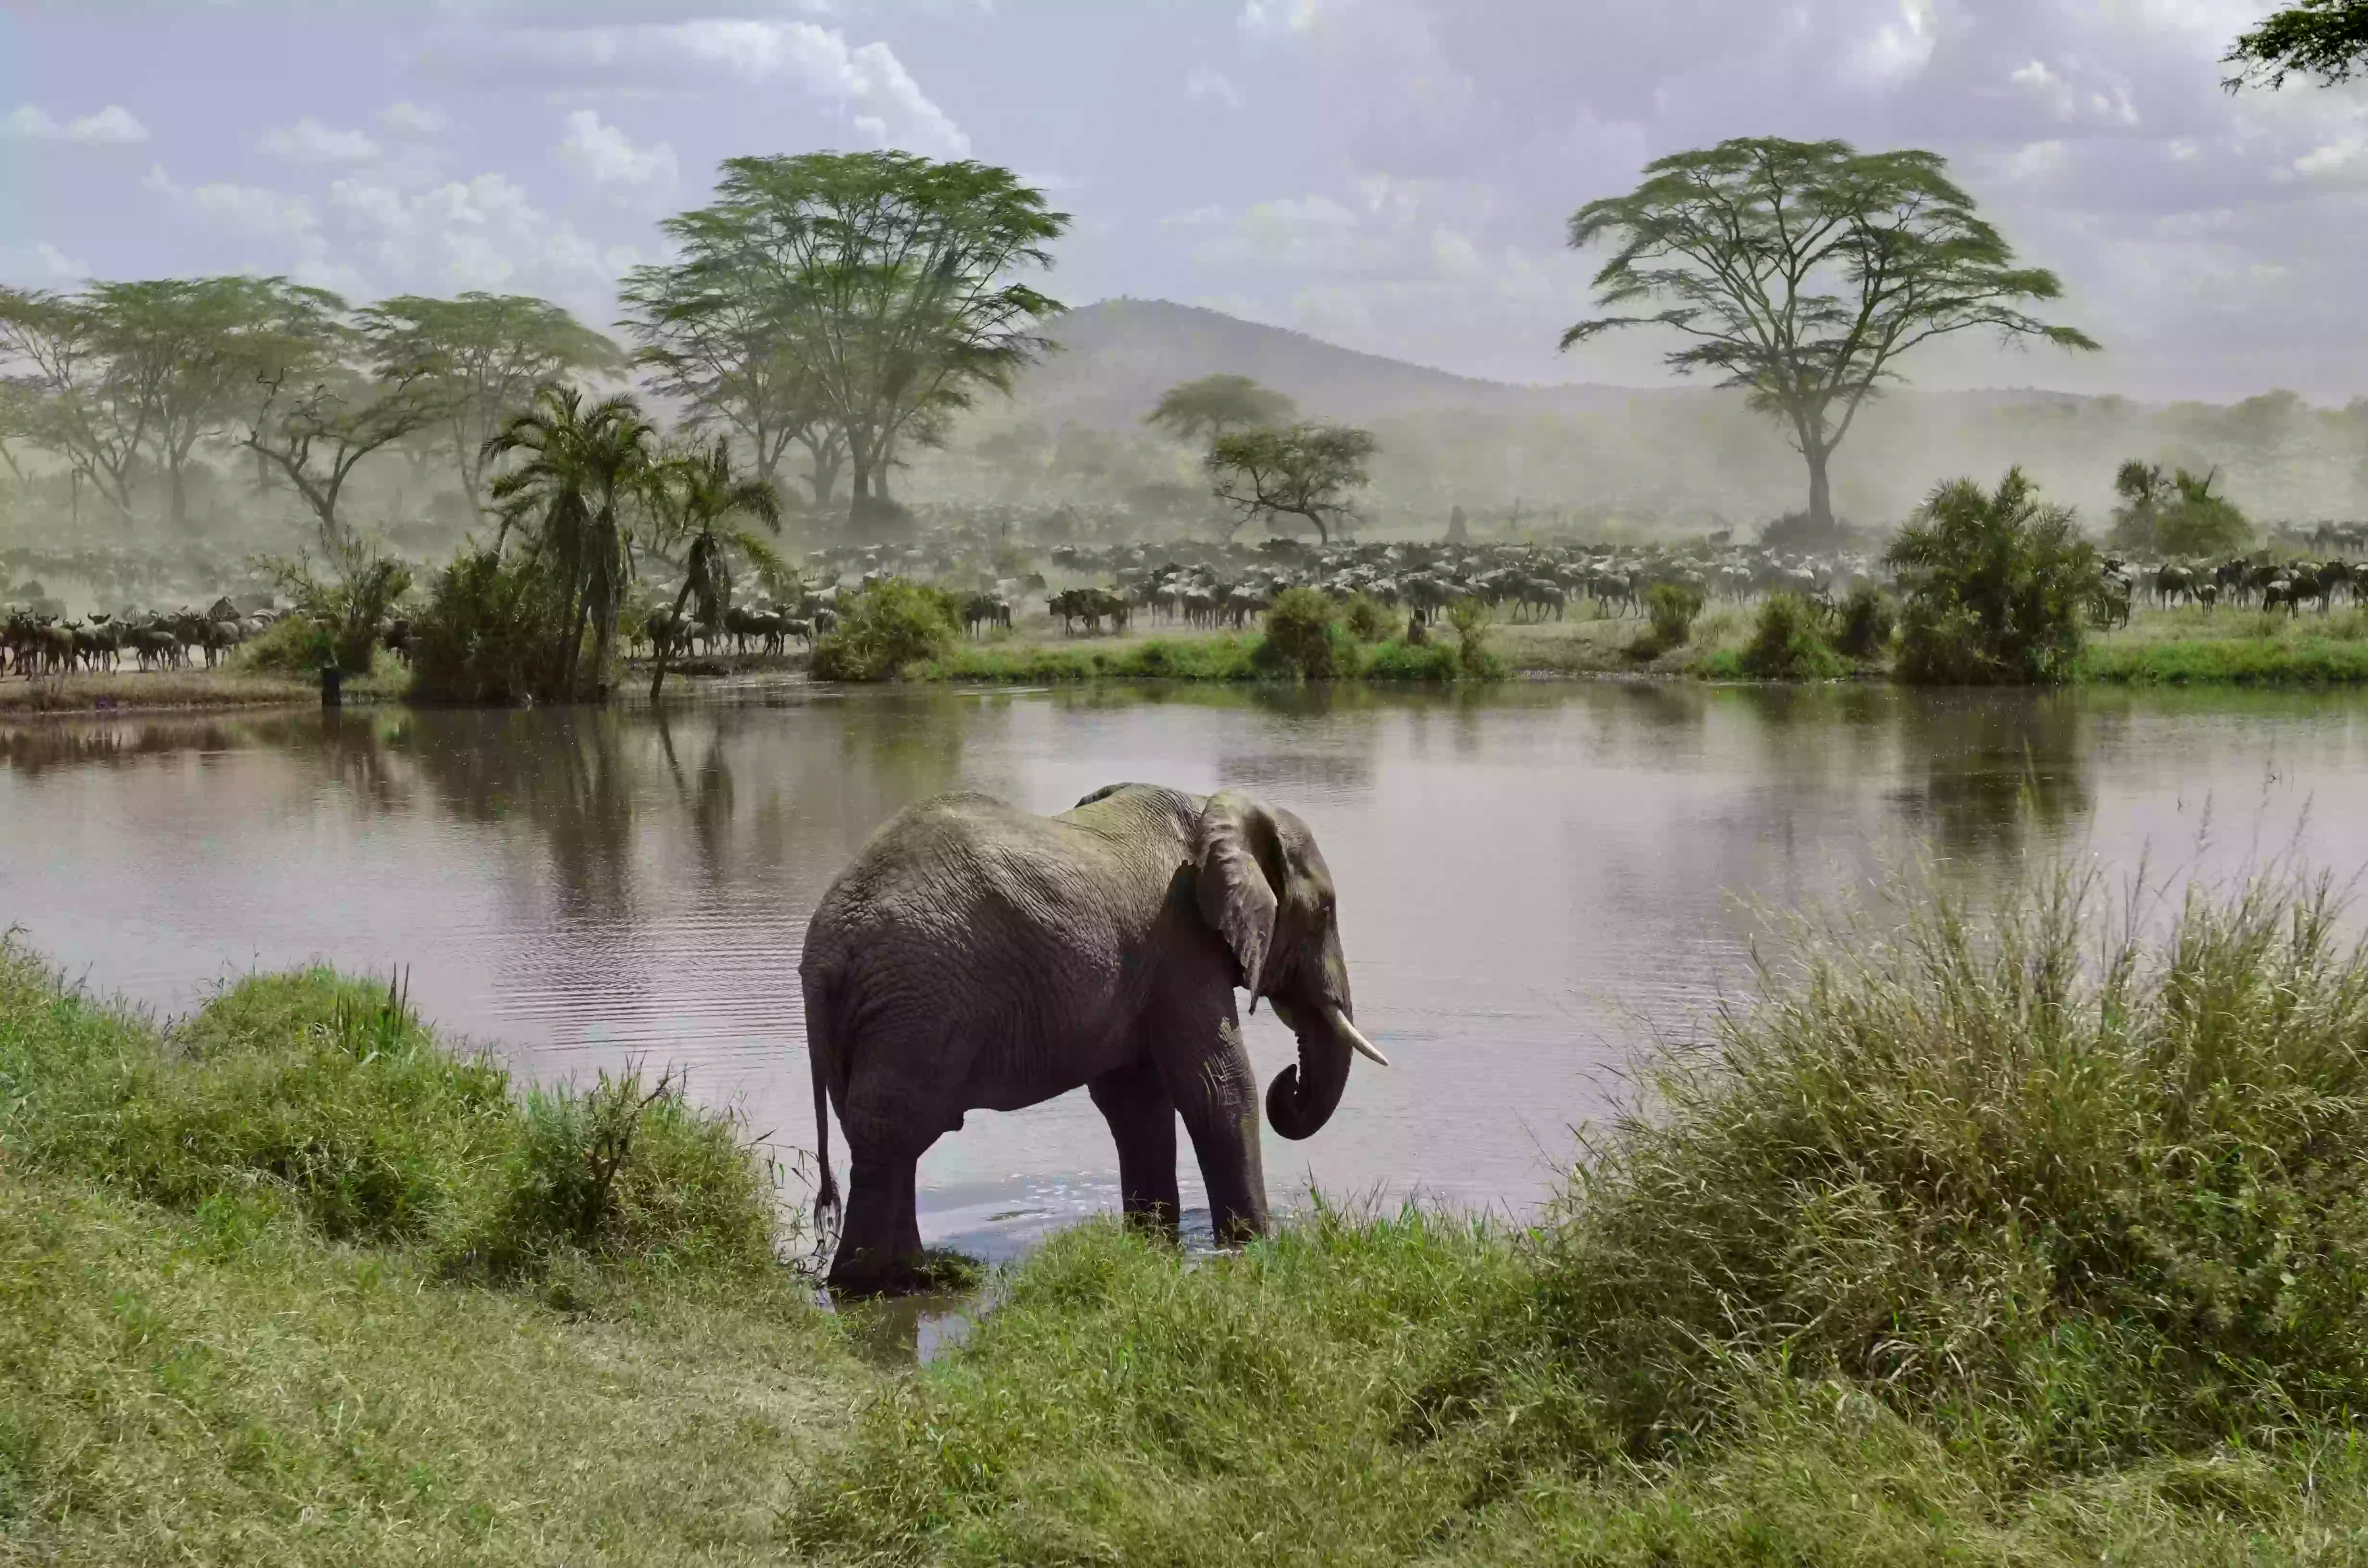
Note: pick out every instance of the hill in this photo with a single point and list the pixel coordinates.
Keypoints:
(1118, 356)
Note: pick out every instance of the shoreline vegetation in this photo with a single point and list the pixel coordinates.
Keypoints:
(1995, 1233)
(2181, 647)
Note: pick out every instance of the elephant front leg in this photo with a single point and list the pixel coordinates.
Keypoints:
(1142, 1123)
(1217, 1095)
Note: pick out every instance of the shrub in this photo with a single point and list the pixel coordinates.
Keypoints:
(1470, 618)
(1997, 587)
(1368, 618)
(327, 1100)
(2174, 515)
(491, 632)
(1671, 608)
(893, 624)
(1868, 620)
(1304, 636)
(292, 645)
(1789, 642)
(341, 618)
(1407, 661)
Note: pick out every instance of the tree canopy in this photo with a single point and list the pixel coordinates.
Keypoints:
(1299, 470)
(2174, 515)
(882, 283)
(483, 357)
(1800, 271)
(2325, 38)
(1207, 408)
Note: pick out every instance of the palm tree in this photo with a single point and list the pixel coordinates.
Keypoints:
(582, 465)
(695, 495)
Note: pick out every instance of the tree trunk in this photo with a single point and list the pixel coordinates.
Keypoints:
(827, 459)
(180, 491)
(1821, 497)
(657, 680)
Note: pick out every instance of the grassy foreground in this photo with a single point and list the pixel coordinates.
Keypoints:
(290, 1284)
(2232, 647)
(1981, 1242)
(1984, 1235)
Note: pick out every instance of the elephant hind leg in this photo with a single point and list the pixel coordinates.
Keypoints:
(880, 1237)
(1142, 1121)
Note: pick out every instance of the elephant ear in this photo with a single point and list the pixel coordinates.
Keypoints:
(1238, 838)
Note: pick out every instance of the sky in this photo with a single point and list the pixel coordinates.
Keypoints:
(1394, 176)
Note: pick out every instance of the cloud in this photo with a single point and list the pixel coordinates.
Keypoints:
(310, 141)
(1207, 84)
(867, 86)
(41, 262)
(606, 156)
(1277, 17)
(112, 126)
(408, 118)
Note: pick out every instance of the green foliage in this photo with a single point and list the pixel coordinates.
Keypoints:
(1984, 1235)
(1397, 661)
(1305, 636)
(2326, 39)
(1302, 471)
(1669, 612)
(1469, 619)
(1369, 619)
(1191, 658)
(2174, 515)
(1799, 271)
(1869, 620)
(491, 632)
(325, 1100)
(1207, 408)
(341, 618)
(2269, 660)
(1790, 640)
(1997, 587)
(893, 624)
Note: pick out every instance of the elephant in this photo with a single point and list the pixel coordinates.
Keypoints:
(974, 956)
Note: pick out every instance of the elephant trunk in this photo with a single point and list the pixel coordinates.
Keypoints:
(1303, 1098)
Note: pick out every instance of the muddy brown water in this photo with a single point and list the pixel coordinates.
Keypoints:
(1534, 881)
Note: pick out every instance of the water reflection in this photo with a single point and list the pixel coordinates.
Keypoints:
(1532, 878)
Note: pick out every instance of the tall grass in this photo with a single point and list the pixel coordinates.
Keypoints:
(324, 1099)
(1999, 1233)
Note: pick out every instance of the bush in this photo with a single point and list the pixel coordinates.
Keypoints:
(1305, 636)
(1671, 608)
(1470, 618)
(1368, 618)
(1997, 587)
(327, 1100)
(1789, 642)
(2174, 515)
(342, 619)
(292, 645)
(1408, 660)
(893, 624)
(1868, 620)
(491, 632)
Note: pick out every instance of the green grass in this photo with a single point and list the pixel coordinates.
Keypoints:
(2231, 647)
(290, 1283)
(1993, 1237)
(1214, 658)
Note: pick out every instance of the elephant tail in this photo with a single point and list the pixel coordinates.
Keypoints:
(820, 1036)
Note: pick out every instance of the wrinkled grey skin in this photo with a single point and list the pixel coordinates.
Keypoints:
(977, 957)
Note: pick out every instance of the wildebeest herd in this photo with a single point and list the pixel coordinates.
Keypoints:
(33, 644)
(2270, 584)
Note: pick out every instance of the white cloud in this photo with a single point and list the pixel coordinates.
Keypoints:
(310, 141)
(1278, 17)
(606, 157)
(408, 118)
(1207, 84)
(41, 262)
(1899, 50)
(113, 125)
(2345, 157)
(869, 86)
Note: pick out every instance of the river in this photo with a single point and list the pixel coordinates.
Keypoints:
(1534, 881)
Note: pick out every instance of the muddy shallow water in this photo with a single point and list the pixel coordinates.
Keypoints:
(1534, 881)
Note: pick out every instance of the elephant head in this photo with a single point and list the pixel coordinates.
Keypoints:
(1263, 886)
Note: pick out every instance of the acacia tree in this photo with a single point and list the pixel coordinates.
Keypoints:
(1208, 407)
(2326, 39)
(56, 347)
(886, 278)
(708, 338)
(320, 406)
(1298, 470)
(1800, 271)
(482, 356)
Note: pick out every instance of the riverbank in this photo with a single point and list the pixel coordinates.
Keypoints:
(1945, 1253)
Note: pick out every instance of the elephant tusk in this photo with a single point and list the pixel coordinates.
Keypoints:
(1365, 1048)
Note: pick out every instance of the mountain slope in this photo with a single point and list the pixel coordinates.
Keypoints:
(1118, 356)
